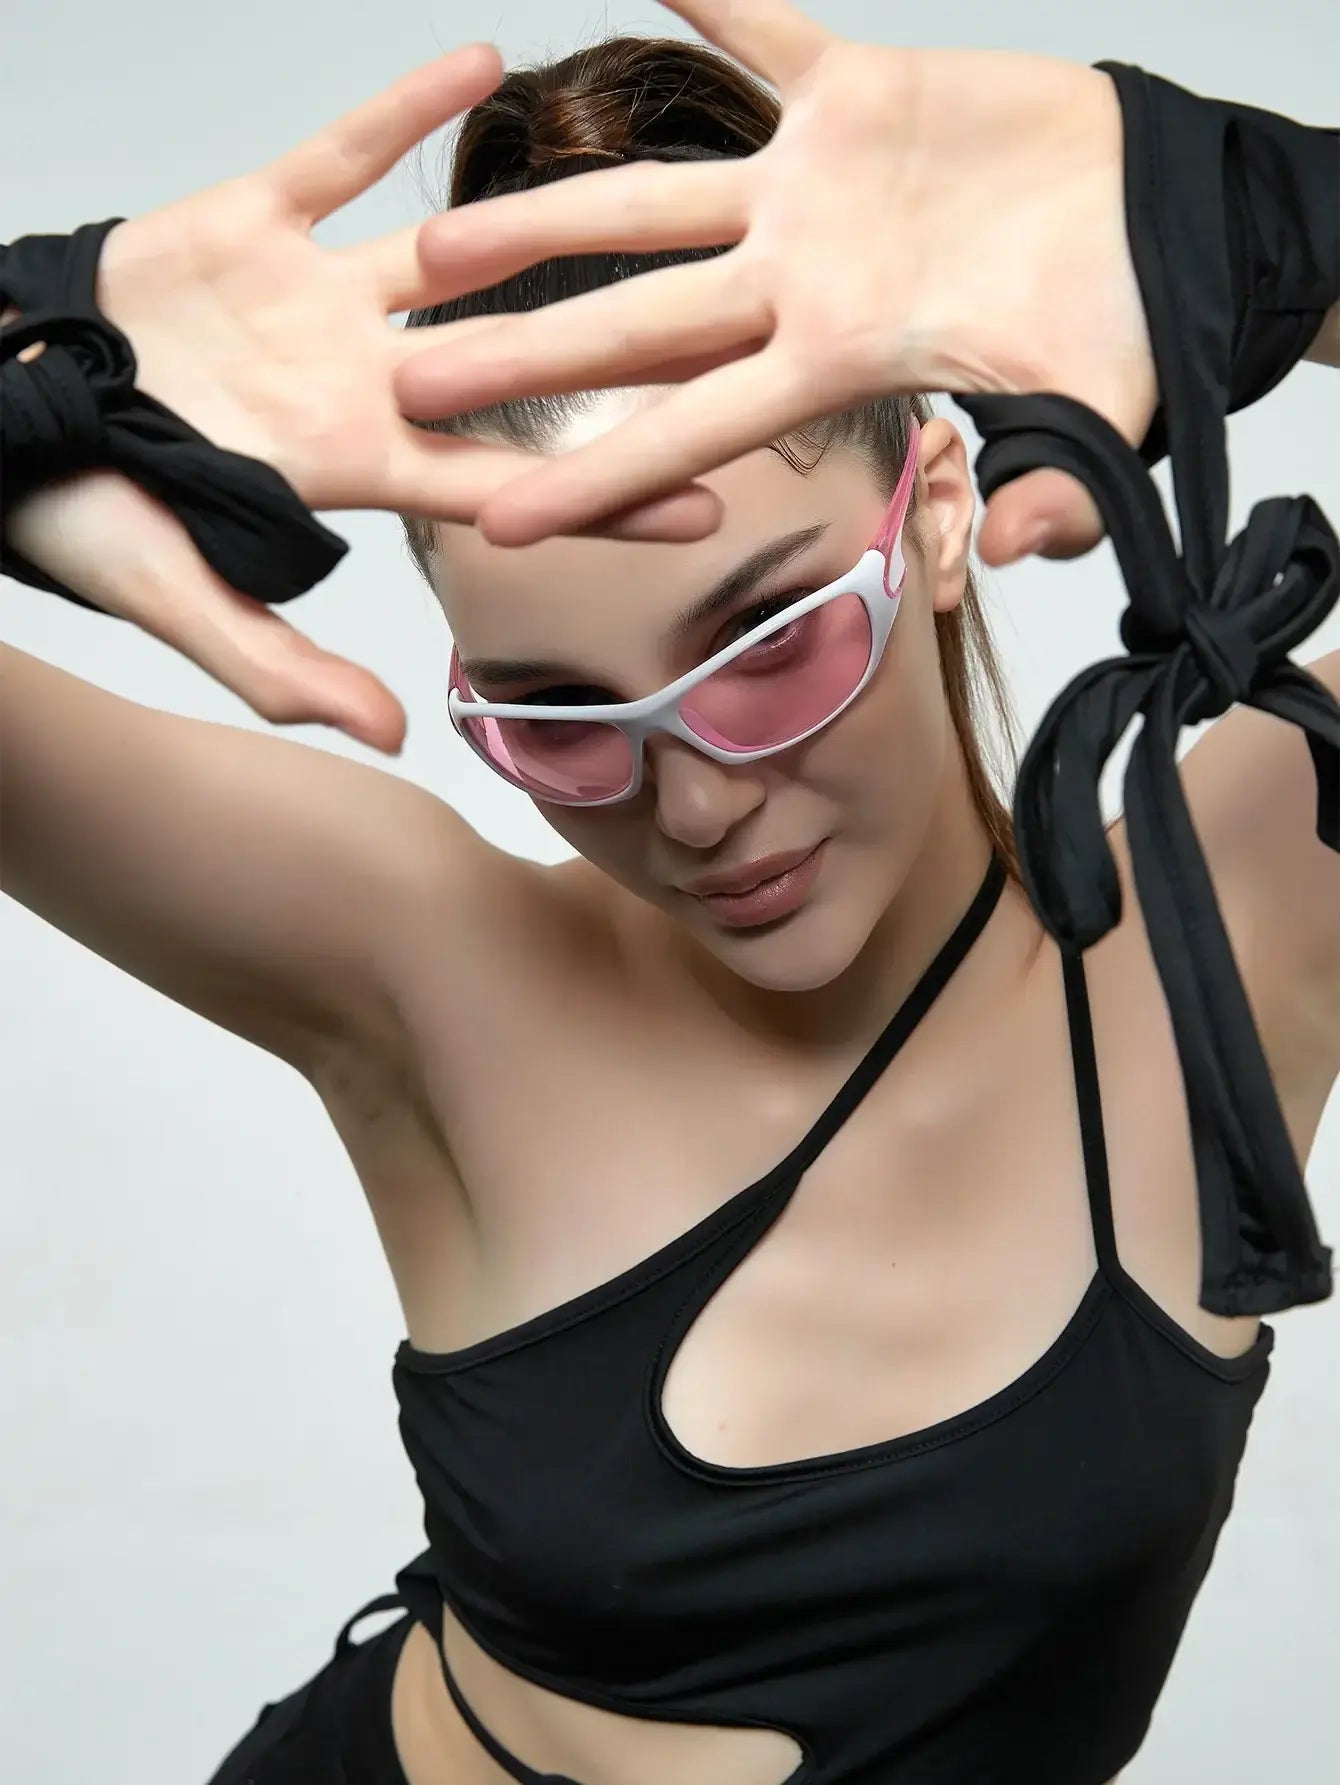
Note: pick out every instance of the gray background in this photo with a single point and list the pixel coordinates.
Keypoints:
(202, 1477)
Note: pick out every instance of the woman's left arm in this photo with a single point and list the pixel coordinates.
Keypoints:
(1251, 788)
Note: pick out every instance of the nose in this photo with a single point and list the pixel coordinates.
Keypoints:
(699, 801)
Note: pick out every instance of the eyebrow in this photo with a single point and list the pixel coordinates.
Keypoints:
(736, 582)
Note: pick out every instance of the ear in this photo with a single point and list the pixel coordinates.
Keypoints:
(946, 505)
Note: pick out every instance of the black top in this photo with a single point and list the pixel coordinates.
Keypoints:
(994, 1598)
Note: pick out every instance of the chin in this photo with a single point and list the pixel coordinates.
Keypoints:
(800, 954)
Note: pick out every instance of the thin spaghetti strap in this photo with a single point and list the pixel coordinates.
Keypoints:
(1089, 1097)
(518, 1769)
(418, 1590)
(906, 1018)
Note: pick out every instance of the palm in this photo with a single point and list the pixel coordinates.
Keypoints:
(937, 220)
(283, 358)
(282, 351)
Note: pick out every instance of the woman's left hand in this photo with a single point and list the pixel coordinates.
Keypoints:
(921, 220)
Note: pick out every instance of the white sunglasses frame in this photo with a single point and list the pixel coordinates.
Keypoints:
(877, 578)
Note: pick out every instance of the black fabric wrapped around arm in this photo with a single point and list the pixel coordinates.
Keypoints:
(1205, 628)
(1276, 184)
(76, 406)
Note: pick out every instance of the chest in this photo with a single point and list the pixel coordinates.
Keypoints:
(936, 1245)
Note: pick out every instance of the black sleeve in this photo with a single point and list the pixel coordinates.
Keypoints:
(76, 406)
(1276, 184)
(1233, 218)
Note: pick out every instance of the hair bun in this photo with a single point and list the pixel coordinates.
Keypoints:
(577, 121)
(626, 99)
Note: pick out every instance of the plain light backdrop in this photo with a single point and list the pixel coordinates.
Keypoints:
(202, 1477)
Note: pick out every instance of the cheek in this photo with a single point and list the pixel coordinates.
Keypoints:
(892, 740)
(613, 840)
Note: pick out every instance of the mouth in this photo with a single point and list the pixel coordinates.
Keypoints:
(763, 891)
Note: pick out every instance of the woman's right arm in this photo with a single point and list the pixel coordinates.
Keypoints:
(275, 888)
(280, 890)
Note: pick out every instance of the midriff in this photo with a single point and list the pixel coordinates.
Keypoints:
(437, 1747)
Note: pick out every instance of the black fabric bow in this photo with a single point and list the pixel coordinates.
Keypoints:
(1192, 654)
(76, 406)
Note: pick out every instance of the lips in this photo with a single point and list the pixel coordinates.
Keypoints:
(752, 874)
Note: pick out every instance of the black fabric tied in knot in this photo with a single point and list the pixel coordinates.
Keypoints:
(53, 414)
(1199, 639)
(76, 406)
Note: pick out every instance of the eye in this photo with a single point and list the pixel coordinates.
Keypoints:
(759, 613)
(562, 697)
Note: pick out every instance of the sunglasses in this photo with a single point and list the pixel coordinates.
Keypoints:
(774, 687)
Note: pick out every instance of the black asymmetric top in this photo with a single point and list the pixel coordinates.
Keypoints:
(997, 1598)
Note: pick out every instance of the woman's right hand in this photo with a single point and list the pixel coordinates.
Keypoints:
(281, 350)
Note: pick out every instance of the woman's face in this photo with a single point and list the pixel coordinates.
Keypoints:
(867, 787)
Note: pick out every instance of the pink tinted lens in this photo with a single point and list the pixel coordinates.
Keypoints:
(788, 683)
(559, 759)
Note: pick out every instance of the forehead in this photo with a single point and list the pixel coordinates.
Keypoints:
(579, 597)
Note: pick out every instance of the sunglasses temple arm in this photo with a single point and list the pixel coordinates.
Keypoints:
(887, 536)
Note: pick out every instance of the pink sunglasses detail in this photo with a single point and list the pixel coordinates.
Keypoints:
(776, 686)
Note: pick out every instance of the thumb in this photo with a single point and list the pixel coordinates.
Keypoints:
(1045, 513)
(113, 542)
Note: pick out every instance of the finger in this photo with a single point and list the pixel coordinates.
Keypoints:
(599, 341)
(113, 542)
(1045, 513)
(334, 166)
(635, 208)
(280, 673)
(639, 207)
(695, 428)
(772, 37)
(392, 266)
(680, 518)
(449, 477)
(277, 670)
(446, 477)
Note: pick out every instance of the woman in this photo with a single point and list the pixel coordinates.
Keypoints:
(905, 1460)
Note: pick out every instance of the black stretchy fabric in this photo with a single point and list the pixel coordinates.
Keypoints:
(1280, 244)
(1223, 287)
(995, 1598)
(78, 405)
(336, 1729)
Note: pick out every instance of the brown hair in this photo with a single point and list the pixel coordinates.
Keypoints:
(648, 98)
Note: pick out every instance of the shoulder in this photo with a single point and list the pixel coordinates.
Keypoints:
(481, 951)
